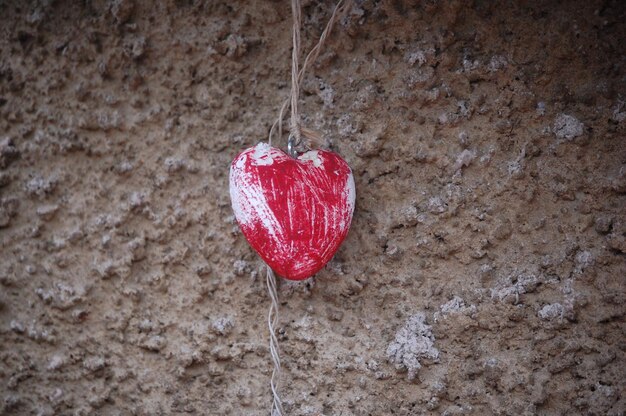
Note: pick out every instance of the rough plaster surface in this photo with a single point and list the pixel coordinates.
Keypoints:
(487, 252)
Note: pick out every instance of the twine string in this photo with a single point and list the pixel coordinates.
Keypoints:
(294, 124)
(295, 139)
(272, 320)
(297, 132)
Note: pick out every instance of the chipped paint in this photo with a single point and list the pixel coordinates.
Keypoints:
(313, 156)
(262, 154)
(294, 213)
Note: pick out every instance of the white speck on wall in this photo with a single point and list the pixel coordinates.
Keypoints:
(56, 362)
(222, 325)
(416, 57)
(414, 342)
(583, 259)
(464, 159)
(436, 205)
(241, 267)
(173, 164)
(454, 306)
(567, 127)
(541, 108)
(619, 113)
(326, 93)
(510, 292)
(497, 63)
(346, 126)
(551, 312)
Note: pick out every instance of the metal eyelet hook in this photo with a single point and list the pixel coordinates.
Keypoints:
(291, 147)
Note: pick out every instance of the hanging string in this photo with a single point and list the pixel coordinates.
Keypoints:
(295, 139)
(297, 76)
(272, 320)
(294, 124)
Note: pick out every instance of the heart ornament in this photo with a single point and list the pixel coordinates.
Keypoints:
(294, 212)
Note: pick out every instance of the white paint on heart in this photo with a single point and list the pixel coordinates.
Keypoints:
(351, 193)
(313, 156)
(248, 201)
(263, 154)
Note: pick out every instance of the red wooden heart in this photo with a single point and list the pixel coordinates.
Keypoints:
(294, 212)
